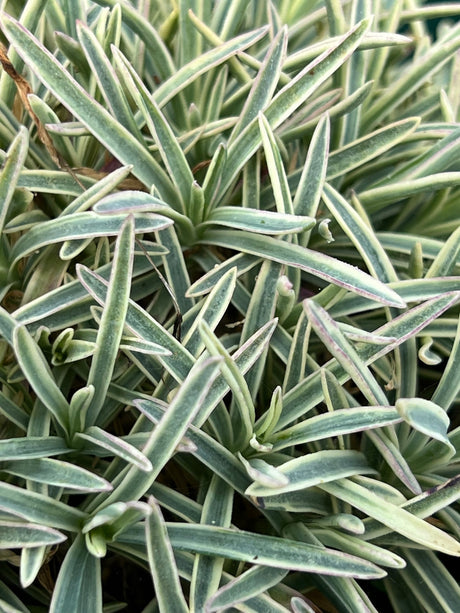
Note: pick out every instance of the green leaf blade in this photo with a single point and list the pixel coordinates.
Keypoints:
(162, 564)
(78, 586)
(113, 319)
(82, 226)
(35, 367)
(312, 469)
(340, 422)
(268, 551)
(392, 516)
(289, 99)
(261, 222)
(57, 473)
(39, 508)
(21, 535)
(316, 263)
(97, 119)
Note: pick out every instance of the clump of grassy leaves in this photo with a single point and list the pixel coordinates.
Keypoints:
(229, 270)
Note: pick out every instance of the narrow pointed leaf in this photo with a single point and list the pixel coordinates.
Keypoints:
(329, 333)
(78, 587)
(53, 181)
(112, 320)
(35, 367)
(39, 508)
(9, 174)
(402, 327)
(176, 269)
(96, 118)
(95, 436)
(362, 336)
(313, 262)
(171, 153)
(412, 290)
(211, 181)
(308, 193)
(262, 222)
(376, 197)
(377, 260)
(340, 422)
(312, 469)
(445, 262)
(251, 583)
(18, 535)
(212, 311)
(355, 546)
(264, 84)
(132, 343)
(207, 570)
(441, 156)
(145, 327)
(117, 516)
(276, 170)
(162, 564)
(107, 79)
(368, 147)
(188, 73)
(58, 473)
(31, 563)
(128, 201)
(396, 518)
(31, 447)
(242, 262)
(289, 99)
(167, 435)
(264, 474)
(268, 551)
(244, 358)
(81, 226)
(424, 505)
(244, 414)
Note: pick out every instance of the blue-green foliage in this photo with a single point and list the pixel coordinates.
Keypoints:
(229, 285)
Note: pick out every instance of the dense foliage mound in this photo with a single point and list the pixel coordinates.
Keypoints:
(229, 283)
